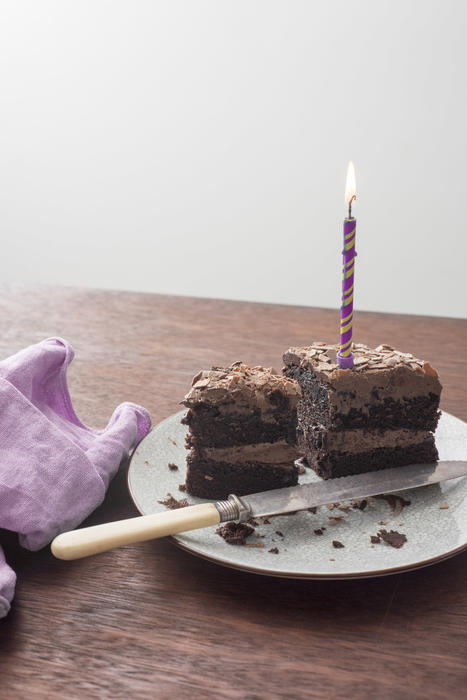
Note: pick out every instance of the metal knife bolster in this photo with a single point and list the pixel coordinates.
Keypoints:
(233, 509)
(317, 493)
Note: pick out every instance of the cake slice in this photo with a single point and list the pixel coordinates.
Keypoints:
(242, 436)
(381, 413)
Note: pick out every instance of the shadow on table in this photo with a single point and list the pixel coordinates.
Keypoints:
(158, 574)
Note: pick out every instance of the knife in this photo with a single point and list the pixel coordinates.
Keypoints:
(101, 538)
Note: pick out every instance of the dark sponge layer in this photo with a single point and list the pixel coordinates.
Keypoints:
(417, 413)
(313, 391)
(210, 479)
(211, 428)
(335, 464)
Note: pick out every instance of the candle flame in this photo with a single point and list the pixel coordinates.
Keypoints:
(350, 183)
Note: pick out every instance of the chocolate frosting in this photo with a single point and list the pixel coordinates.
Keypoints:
(389, 371)
(241, 387)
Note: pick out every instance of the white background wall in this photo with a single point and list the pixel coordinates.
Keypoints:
(199, 147)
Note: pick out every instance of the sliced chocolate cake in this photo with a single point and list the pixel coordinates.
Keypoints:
(381, 413)
(242, 431)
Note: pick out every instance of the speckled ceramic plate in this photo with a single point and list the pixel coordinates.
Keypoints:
(434, 531)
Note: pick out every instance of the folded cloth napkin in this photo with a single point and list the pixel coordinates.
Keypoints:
(54, 470)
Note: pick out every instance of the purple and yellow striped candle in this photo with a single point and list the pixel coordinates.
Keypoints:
(345, 356)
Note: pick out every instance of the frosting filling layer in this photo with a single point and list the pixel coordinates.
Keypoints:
(355, 441)
(274, 453)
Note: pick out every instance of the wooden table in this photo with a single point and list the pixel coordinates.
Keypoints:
(153, 621)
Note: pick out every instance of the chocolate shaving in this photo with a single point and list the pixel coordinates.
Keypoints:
(172, 504)
(182, 487)
(394, 538)
(375, 539)
(322, 357)
(319, 531)
(173, 467)
(337, 545)
(235, 533)
(273, 550)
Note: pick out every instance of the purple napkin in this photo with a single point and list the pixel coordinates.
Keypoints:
(54, 470)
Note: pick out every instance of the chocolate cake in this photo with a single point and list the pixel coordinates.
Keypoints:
(381, 413)
(242, 436)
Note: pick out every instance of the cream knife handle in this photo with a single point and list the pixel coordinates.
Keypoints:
(100, 538)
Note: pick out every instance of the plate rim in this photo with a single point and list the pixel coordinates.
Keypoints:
(281, 573)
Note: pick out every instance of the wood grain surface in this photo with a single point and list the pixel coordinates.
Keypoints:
(152, 621)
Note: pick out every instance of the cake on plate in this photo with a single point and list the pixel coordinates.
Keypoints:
(242, 431)
(381, 413)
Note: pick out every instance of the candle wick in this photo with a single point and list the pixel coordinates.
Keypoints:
(350, 205)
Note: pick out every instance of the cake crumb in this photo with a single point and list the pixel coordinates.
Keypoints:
(394, 538)
(173, 467)
(266, 521)
(337, 545)
(273, 550)
(235, 533)
(331, 559)
(444, 505)
(172, 504)
(146, 462)
(182, 487)
(301, 465)
(335, 519)
(278, 532)
(319, 531)
(173, 442)
(359, 504)
(253, 544)
(382, 522)
(375, 539)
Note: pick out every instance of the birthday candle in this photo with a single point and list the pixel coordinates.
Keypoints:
(345, 356)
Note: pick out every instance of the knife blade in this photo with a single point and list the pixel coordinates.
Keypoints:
(294, 498)
(100, 538)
